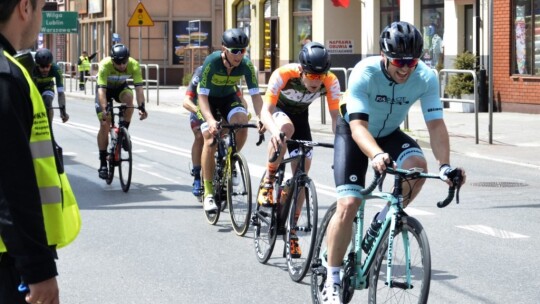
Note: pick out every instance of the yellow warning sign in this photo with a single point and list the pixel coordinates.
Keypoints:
(140, 17)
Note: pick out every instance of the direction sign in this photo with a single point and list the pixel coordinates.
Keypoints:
(59, 23)
(140, 17)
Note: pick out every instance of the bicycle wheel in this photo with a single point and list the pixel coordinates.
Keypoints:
(420, 266)
(264, 222)
(111, 164)
(303, 225)
(239, 195)
(125, 161)
(212, 217)
(319, 262)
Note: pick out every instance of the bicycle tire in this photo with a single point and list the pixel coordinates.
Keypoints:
(420, 266)
(319, 262)
(111, 163)
(305, 228)
(264, 221)
(239, 197)
(125, 161)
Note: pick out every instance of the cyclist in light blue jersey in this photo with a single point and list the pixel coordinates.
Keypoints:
(381, 91)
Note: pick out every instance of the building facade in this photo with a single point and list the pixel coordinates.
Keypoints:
(516, 55)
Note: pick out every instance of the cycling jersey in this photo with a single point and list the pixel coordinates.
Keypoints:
(46, 83)
(215, 82)
(287, 91)
(373, 96)
(110, 78)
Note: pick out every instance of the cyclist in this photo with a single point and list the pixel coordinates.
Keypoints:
(217, 99)
(113, 73)
(196, 119)
(291, 89)
(381, 91)
(44, 74)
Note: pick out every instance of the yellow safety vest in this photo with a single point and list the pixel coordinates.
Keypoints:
(61, 215)
(85, 64)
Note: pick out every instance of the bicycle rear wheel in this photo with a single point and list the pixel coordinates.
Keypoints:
(303, 225)
(409, 231)
(239, 195)
(125, 161)
(264, 223)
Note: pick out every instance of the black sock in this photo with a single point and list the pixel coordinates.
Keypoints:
(103, 158)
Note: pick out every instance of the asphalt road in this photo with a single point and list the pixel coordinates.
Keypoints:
(153, 244)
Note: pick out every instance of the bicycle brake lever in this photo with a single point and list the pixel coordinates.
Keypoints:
(261, 139)
(381, 180)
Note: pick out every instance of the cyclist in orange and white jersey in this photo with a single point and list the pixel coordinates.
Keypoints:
(291, 89)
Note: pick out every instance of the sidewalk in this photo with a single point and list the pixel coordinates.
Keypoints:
(513, 138)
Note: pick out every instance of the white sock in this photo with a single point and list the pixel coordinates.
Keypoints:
(333, 275)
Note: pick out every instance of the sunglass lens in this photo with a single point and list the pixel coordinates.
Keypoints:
(237, 51)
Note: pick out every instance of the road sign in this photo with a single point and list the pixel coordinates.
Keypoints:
(59, 23)
(140, 17)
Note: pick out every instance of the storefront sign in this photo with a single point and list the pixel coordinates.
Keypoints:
(340, 46)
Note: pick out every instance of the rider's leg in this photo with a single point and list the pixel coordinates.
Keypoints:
(48, 97)
(102, 141)
(207, 160)
(196, 151)
(239, 116)
(126, 97)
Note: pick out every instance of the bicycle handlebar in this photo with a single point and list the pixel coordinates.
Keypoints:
(234, 127)
(304, 143)
(455, 175)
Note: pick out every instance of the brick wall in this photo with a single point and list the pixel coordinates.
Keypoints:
(512, 92)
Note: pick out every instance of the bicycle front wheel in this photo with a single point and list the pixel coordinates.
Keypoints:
(301, 229)
(410, 236)
(264, 222)
(239, 194)
(319, 261)
(125, 161)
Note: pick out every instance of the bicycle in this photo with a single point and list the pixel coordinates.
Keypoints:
(229, 162)
(119, 149)
(396, 270)
(281, 218)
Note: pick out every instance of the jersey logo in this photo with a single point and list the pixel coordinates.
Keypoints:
(397, 100)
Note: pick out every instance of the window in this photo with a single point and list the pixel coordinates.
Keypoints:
(389, 12)
(526, 37)
(301, 25)
(243, 17)
(432, 31)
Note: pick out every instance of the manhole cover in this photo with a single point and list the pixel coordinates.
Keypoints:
(499, 184)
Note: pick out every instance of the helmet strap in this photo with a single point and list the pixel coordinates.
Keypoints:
(227, 59)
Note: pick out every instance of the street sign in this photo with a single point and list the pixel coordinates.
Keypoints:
(140, 17)
(59, 23)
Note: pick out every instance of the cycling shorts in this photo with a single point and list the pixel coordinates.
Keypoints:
(302, 131)
(195, 121)
(48, 97)
(112, 94)
(350, 164)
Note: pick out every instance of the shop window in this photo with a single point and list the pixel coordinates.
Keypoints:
(302, 25)
(432, 31)
(526, 37)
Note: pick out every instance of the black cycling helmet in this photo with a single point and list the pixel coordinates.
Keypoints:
(401, 40)
(119, 53)
(43, 57)
(314, 58)
(235, 38)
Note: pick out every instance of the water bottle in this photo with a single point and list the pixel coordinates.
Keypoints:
(371, 234)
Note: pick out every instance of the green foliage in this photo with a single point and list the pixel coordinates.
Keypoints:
(460, 83)
(186, 79)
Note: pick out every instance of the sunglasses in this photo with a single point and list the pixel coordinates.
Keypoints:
(121, 62)
(403, 62)
(44, 66)
(312, 76)
(236, 51)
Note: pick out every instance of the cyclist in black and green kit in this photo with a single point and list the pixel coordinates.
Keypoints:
(218, 99)
(113, 73)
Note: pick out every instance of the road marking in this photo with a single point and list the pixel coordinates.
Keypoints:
(499, 233)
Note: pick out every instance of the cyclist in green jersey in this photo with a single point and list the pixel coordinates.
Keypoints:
(218, 99)
(113, 73)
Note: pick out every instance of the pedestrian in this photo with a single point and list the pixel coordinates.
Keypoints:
(38, 211)
(83, 65)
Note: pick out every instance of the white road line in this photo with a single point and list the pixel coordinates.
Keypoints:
(499, 233)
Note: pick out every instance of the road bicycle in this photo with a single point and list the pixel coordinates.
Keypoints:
(232, 182)
(119, 149)
(282, 218)
(397, 266)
